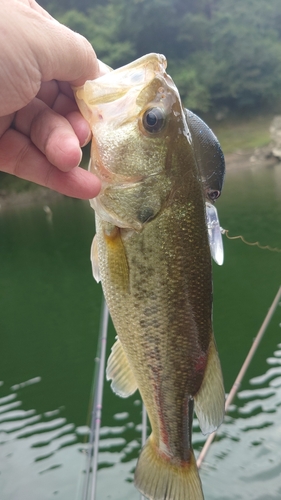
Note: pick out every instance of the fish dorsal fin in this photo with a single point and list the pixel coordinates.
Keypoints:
(209, 402)
(119, 371)
(214, 233)
(94, 260)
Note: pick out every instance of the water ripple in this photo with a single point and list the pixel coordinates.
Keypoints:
(8, 398)
(10, 406)
(16, 415)
(34, 446)
(248, 446)
(13, 426)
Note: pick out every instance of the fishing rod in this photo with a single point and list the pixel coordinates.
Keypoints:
(143, 432)
(242, 372)
(89, 492)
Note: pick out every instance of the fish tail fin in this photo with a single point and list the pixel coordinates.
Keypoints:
(158, 478)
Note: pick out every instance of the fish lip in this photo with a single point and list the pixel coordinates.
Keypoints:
(128, 80)
(150, 64)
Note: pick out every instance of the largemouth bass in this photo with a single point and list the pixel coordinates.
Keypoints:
(152, 256)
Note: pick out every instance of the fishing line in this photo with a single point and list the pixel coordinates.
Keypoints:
(251, 244)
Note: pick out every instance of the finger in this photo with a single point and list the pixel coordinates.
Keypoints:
(5, 123)
(51, 133)
(68, 108)
(47, 51)
(34, 5)
(66, 89)
(48, 92)
(58, 96)
(57, 137)
(62, 54)
(80, 126)
(64, 105)
(104, 68)
(18, 156)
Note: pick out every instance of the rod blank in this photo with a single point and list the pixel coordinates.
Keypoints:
(89, 492)
(143, 432)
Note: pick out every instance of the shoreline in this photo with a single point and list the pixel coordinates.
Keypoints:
(37, 196)
(249, 159)
(235, 162)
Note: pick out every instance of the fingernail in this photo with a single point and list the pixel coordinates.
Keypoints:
(87, 139)
(81, 156)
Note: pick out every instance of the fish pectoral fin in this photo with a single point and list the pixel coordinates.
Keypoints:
(119, 371)
(117, 264)
(159, 478)
(94, 260)
(209, 402)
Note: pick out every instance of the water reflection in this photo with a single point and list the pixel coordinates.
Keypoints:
(245, 461)
(119, 449)
(47, 453)
(33, 447)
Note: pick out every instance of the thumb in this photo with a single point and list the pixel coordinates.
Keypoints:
(65, 56)
(37, 48)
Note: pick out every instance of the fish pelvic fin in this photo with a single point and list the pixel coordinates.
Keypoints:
(209, 402)
(158, 478)
(119, 371)
(94, 259)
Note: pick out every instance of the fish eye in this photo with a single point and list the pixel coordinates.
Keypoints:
(153, 120)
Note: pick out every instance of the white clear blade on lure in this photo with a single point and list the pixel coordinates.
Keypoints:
(214, 233)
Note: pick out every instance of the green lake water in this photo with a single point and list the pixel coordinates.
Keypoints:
(49, 322)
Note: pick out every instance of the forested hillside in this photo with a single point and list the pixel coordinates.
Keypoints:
(221, 53)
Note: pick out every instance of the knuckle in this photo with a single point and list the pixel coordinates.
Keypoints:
(21, 158)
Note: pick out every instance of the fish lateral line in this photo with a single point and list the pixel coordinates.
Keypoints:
(174, 461)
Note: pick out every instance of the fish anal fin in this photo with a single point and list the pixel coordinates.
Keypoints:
(161, 478)
(209, 402)
(119, 371)
(94, 260)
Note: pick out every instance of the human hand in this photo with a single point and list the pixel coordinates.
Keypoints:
(41, 129)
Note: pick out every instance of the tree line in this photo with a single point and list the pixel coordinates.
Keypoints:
(221, 54)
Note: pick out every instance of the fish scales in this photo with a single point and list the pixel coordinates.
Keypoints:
(154, 262)
(162, 319)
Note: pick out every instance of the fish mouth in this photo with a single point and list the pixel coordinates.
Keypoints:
(112, 100)
(115, 84)
(117, 98)
(117, 101)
